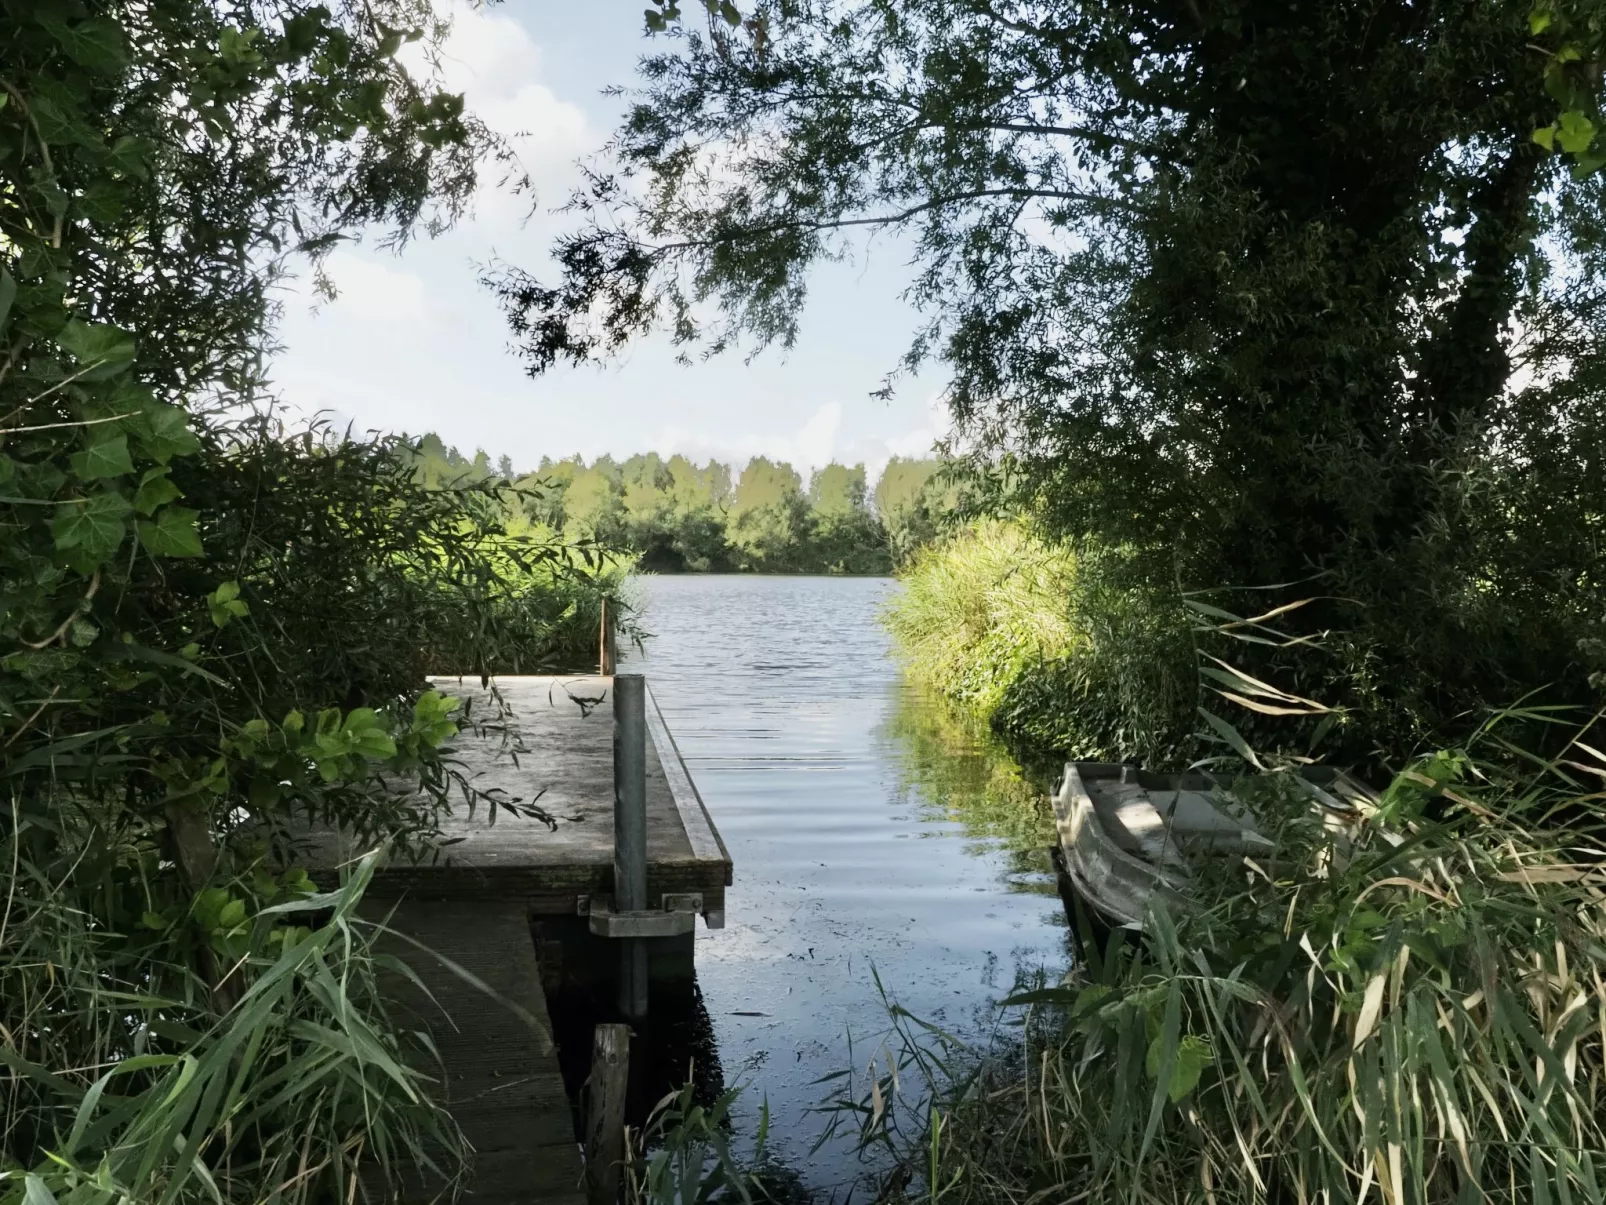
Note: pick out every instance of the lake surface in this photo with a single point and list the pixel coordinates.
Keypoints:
(871, 836)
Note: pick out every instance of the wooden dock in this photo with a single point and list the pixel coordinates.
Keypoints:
(474, 895)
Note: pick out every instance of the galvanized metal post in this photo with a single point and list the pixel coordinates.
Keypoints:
(630, 832)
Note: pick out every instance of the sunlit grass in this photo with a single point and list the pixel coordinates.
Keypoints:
(1420, 1017)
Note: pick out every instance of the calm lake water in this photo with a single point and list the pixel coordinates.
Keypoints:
(870, 835)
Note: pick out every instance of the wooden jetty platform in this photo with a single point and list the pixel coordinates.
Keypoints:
(474, 895)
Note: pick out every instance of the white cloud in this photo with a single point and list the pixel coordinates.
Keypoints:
(491, 59)
(813, 445)
(416, 343)
(372, 291)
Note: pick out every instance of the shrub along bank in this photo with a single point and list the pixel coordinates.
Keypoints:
(1046, 646)
(1421, 1020)
(211, 627)
(1420, 1014)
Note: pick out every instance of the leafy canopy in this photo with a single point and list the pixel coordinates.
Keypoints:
(1255, 291)
(209, 627)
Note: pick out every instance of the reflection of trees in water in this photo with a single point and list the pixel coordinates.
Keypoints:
(953, 768)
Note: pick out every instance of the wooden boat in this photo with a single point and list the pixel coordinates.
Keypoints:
(1128, 837)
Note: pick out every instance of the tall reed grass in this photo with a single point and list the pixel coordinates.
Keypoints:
(1053, 648)
(982, 607)
(1414, 1015)
(129, 1082)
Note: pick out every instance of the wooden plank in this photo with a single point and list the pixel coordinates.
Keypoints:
(549, 742)
(605, 1113)
(694, 818)
(498, 1071)
(555, 750)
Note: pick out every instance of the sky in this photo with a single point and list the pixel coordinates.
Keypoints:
(413, 342)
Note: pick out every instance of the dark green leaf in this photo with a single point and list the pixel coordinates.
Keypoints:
(130, 155)
(106, 458)
(93, 526)
(8, 294)
(171, 533)
(1042, 995)
(101, 349)
(96, 44)
(155, 490)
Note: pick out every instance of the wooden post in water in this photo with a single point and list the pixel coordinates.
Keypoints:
(605, 1113)
(630, 832)
(607, 651)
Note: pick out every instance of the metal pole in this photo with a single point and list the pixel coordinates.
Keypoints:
(630, 832)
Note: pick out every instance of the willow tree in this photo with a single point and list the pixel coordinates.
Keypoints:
(1256, 292)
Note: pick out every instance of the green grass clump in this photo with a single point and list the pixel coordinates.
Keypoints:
(981, 608)
(1415, 1014)
(1051, 647)
(126, 1077)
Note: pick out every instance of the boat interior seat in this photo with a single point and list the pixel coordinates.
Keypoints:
(1128, 814)
(1164, 826)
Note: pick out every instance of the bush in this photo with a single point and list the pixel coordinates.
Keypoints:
(1049, 646)
(157, 980)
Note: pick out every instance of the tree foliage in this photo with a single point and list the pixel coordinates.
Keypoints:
(211, 627)
(1255, 292)
(674, 516)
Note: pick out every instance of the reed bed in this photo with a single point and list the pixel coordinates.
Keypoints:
(140, 1085)
(1414, 1013)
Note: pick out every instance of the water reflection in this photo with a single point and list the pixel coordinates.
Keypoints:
(580, 977)
(956, 769)
(877, 843)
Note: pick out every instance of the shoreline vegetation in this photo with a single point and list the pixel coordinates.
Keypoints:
(1420, 1014)
(1277, 335)
(670, 515)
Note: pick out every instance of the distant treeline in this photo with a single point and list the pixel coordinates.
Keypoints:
(679, 517)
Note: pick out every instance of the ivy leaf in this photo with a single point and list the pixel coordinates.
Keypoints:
(165, 432)
(1545, 136)
(96, 44)
(1574, 132)
(129, 154)
(104, 350)
(108, 458)
(225, 604)
(92, 526)
(155, 490)
(171, 533)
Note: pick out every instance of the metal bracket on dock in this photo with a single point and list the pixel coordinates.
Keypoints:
(678, 916)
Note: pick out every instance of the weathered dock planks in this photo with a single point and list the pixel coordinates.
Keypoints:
(473, 896)
(498, 1070)
(556, 750)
